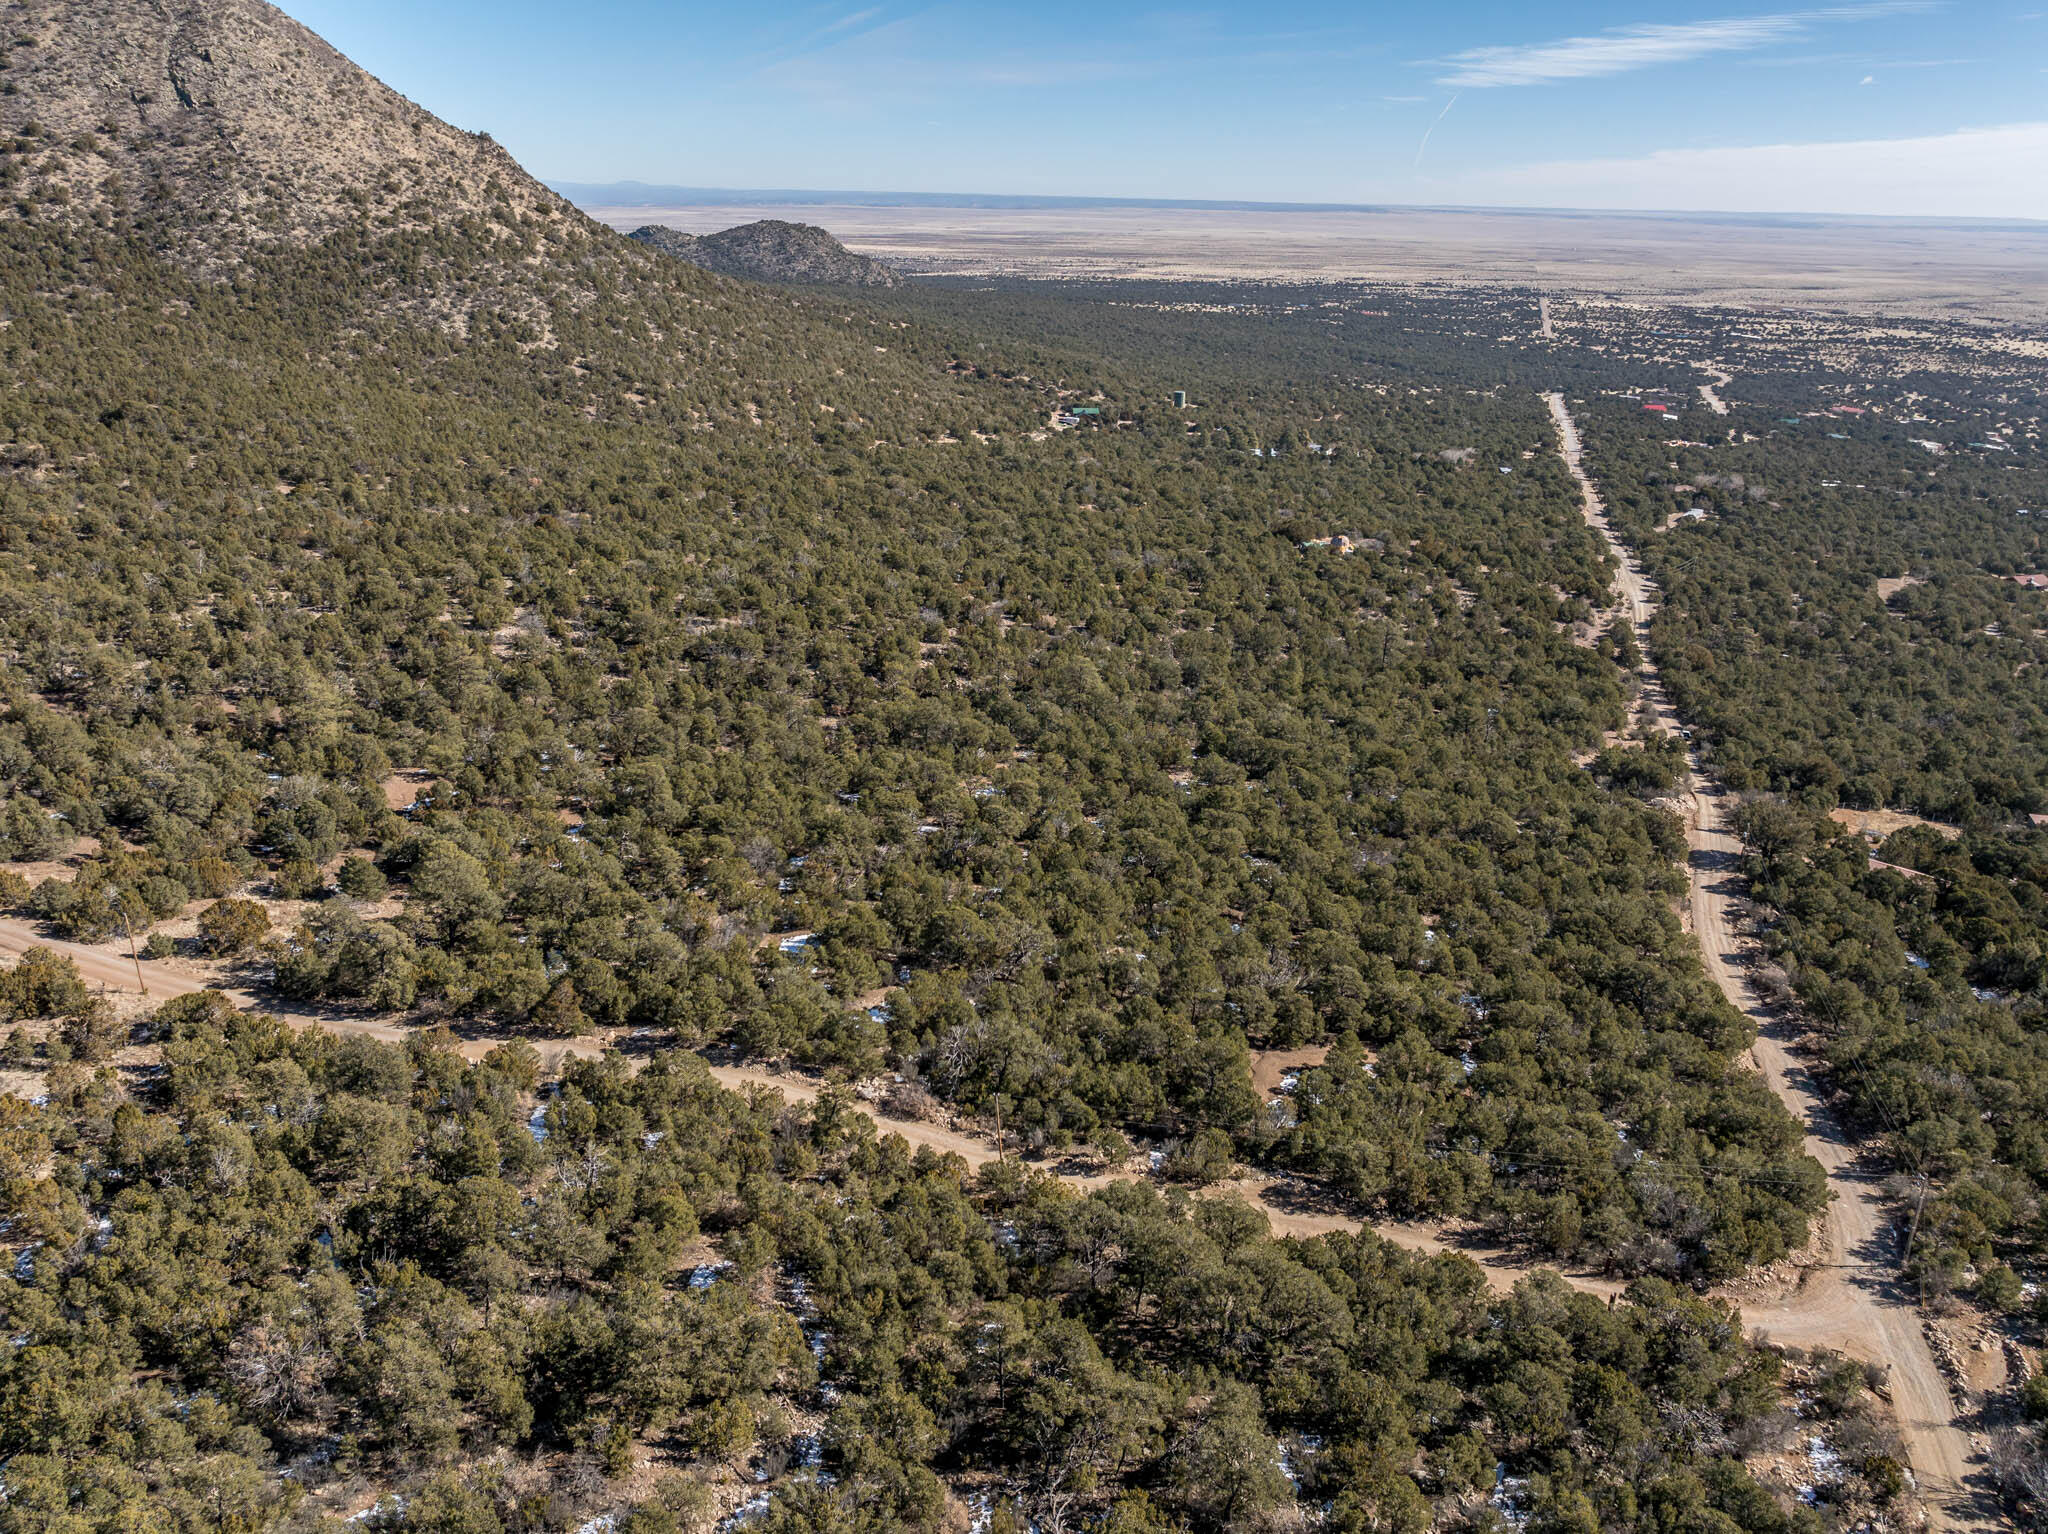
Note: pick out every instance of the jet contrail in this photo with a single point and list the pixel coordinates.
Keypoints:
(1426, 132)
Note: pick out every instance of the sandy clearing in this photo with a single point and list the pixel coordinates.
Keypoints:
(1708, 395)
(404, 786)
(108, 966)
(1879, 824)
(1270, 1066)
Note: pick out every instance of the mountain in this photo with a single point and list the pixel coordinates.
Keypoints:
(772, 250)
(224, 126)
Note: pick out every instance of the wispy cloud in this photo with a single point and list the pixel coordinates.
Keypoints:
(1434, 122)
(853, 20)
(1997, 172)
(1611, 53)
(822, 36)
(1641, 46)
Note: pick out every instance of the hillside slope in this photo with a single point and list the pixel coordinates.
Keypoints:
(222, 125)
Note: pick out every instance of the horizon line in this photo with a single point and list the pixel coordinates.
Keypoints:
(632, 193)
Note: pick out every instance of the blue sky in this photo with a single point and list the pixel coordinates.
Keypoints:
(1885, 106)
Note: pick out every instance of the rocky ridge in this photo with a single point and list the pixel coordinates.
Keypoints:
(772, 250)
(220, 128)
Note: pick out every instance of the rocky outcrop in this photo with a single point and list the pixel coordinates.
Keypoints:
(222, 126)
(772, 250)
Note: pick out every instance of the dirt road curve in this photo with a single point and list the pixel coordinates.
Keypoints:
(1292, 1206)
(1850, 1299)
(109, 966)
(1712, 400)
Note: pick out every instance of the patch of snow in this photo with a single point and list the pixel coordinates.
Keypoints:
(1510, 1497)
(746, 1512)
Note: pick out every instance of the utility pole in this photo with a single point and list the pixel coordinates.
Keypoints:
(134, 957)
(1919, 1201)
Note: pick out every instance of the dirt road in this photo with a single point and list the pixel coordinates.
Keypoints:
(108, 966)
(1293, 1206)
(1713, 400)
(1850, 1299)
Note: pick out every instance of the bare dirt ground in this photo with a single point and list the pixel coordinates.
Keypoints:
(1869, 266)
(1878, 824)
(1270, 1067)
(1709, 395)
(404, 786)
(1848, 1297)
(110, 968)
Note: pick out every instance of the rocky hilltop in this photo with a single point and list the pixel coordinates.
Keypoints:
(772, 250)
(223, 126)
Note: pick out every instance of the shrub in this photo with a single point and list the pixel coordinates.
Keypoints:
(299, 879)
(909, 1100)
(231, 927)
(1204, 1159)
(558, 1015)
(164, 897)
(360, 879)
(41, 984)
(94, 1032)
(209, 878)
